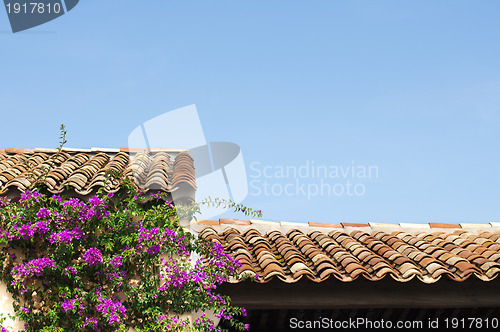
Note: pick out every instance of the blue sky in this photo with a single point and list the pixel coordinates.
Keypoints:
(412, 88)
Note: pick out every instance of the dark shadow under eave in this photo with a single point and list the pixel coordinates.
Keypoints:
(362, 293)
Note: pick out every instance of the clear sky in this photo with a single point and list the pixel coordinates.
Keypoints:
(409, 88)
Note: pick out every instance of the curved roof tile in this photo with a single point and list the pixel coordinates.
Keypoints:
(360, 252)
(84, 171)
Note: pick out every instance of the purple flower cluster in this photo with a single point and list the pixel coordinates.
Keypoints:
(204, 320)
(6, 234)
(174, 275)
(172, 323)
(43, 213)
(33, 267)
(156, 195)
(41, 227)
(69, 304)
(70, 269)
(27, 196)
(97, 208)
(65, 236)
(64, 222)
(74, 204)
(56, 198)
(117, 261)
(92, 256)
(93, 322)
(223, 314)
(111, 308)
(222, 259)
(4, 201)
(25, 231)
(153, 240)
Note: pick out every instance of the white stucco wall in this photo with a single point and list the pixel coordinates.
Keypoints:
(6, 308)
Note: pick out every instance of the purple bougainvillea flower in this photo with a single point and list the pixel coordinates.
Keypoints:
(70, 269)
(114, 309)
(117, 261)
(63, 235)
(33, 267)
(92, 256)
(68, 304)
(43, 213)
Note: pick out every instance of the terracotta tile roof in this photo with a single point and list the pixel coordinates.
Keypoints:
(83, 171)
(321, 251)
